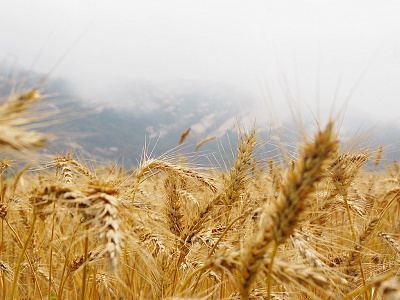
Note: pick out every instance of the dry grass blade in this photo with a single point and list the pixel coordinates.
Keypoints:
(205, 141)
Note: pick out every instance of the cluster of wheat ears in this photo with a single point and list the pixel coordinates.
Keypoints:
(318, 227)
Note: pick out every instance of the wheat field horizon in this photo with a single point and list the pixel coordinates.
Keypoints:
(321, 221)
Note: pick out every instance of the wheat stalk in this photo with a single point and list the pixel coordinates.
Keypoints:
(278, 224)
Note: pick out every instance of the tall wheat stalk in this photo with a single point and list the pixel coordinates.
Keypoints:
(278, 224)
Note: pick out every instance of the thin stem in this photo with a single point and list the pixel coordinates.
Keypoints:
(353, 232)
(134, 191)
(355, 240)
(2, 231)
(201, 269)
(223, 234)
(51, 249)
(85, 267)
(269, 280)
(27, 257)
(21, 257)
(222, 292)
(63, 280)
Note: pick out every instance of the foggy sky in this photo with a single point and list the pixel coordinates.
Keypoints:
(303, 51)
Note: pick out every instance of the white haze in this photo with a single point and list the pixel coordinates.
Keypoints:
(314, 54)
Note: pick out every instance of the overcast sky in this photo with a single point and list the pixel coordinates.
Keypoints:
(310, 50)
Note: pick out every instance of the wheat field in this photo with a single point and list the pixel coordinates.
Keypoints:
(317, 226)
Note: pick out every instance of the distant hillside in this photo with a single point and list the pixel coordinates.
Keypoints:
(114, 135)
(155, 116)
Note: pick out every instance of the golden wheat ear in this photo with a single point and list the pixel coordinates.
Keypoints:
(235, 184)
(104, 220)
(278, 224)
(15, 116)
